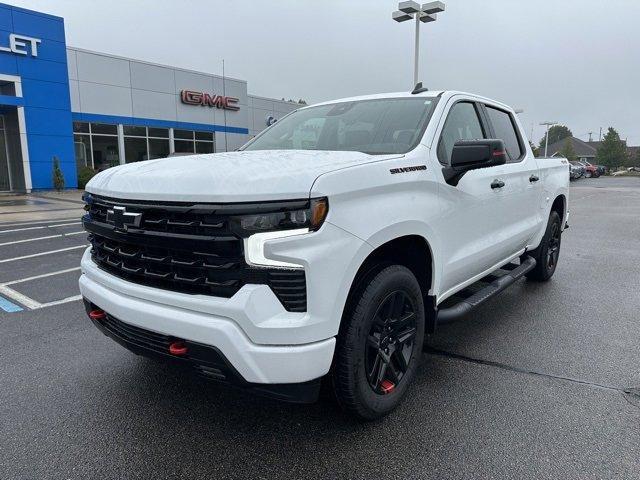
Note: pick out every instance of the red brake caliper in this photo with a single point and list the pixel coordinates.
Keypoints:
(387, 386)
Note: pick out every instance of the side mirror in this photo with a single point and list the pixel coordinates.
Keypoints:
(473, 154)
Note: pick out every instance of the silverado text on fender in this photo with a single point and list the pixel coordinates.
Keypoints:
(330, 244)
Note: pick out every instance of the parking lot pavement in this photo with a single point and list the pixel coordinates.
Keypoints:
(532, 385)
(39, 259)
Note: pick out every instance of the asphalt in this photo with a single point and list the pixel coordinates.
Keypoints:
(531, 385)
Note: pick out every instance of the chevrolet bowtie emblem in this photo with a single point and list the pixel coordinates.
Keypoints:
(122, 219)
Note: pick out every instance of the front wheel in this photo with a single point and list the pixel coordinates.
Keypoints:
(548, 252)
(380, 344)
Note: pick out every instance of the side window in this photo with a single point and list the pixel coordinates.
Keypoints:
(462, 124)
(505, 130)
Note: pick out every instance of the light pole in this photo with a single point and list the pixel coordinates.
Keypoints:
(412, 10)
(546, 135)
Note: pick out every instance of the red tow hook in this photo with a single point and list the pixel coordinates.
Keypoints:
(387, 386)
(178, 348)
(97, 314)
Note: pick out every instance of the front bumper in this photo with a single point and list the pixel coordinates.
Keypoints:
(255, 363)
(203, 360)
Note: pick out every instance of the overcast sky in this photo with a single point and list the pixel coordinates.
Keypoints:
(572, 61)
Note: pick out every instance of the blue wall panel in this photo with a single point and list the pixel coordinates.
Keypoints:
(38, 25)
(6, 19)
(8, 63)
(45, 88)
(43, 70)
(44, 121)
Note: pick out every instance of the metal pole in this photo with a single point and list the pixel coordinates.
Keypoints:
(546, 141)
(417, 49)
(224, 94)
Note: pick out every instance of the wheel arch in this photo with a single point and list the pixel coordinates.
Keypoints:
(412, 251)
(559, 205)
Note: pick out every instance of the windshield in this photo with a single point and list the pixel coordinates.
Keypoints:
(390, 125)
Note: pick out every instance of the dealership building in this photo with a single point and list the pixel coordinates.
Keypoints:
(98, 110)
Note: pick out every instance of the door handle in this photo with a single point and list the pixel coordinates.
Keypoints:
(533, 178)
(497, 184)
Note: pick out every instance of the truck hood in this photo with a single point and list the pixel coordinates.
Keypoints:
(225, 177)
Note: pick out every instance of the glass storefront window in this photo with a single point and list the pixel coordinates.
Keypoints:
(135, 131)
(183, 146)
(184, 134)
(159, 132)
(80, 127)
(82, 149)
(158, 148)
(105, 151)
(204, 136)
(104, 128)
(135, 149)
(204, 147)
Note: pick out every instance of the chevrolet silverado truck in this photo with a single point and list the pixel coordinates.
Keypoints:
(327, 247)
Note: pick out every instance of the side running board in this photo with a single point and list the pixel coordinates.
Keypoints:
(463, 307)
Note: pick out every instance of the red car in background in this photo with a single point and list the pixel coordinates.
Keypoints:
(590, 170)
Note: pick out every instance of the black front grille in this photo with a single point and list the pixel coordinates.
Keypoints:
(185, 248)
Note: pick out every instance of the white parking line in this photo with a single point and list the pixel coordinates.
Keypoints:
(38, 228)
(42, 253)
(60, 302)
(44, 275)
(23, 224)
(41, 238)
(32, 304)
(28, 302)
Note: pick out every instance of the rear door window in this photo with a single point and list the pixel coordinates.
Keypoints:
(505, 129)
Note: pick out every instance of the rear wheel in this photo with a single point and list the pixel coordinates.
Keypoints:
(380, 346)
(548, 253)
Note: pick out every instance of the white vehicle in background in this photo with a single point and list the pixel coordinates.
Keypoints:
(328, 246)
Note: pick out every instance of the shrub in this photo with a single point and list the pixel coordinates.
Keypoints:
(84, 175)
(58, 177)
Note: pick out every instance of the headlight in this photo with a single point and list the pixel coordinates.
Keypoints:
(289, 220)
(292, 217)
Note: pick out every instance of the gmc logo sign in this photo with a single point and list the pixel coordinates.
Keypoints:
(190, 97)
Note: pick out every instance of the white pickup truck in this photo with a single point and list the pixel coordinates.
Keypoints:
(327, 247)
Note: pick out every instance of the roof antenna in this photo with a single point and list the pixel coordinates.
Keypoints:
(419, 89)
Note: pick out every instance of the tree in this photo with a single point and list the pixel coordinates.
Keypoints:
(57, 176)
(612, 152)
(567, 151)
(556, 133)
(534, 149)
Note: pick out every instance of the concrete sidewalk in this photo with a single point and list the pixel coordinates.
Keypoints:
(41, 206)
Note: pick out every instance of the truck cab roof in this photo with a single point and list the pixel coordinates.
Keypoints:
(426, 94)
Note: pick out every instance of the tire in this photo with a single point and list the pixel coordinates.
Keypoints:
(588, 175)
(548, 252)
(374, 346)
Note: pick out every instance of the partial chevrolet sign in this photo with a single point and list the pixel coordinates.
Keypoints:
(191, 97)
(18, 44)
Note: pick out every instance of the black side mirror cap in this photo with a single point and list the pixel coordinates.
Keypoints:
(472, 155)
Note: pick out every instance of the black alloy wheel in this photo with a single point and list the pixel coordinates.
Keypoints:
(553, 250)
(379, 348)
(390, 342)
(548, 252)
